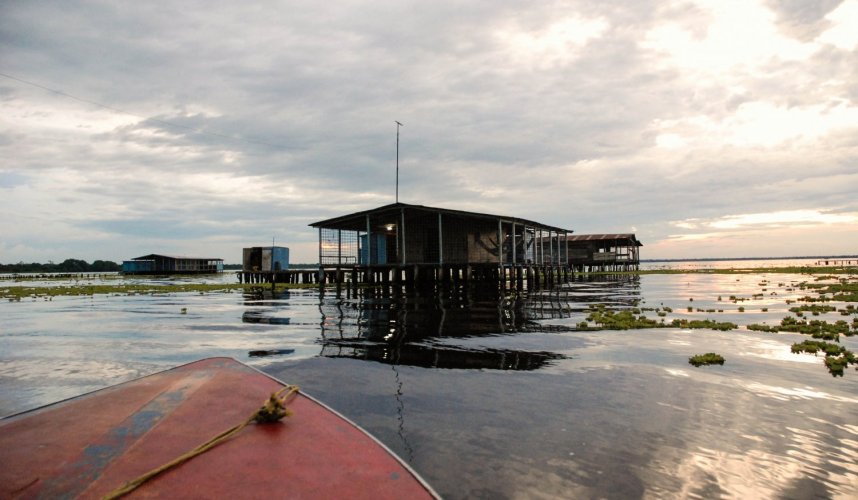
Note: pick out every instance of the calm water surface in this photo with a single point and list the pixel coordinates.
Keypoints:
(492, 395)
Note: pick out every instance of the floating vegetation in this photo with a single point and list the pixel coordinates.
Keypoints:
(710, 358)
(704, 323)
(622, 320)
(837, 357)
(604, 319)
(16, 293)
(815, 328)
(814, 308)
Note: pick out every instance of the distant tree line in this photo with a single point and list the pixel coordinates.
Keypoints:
(66, 266)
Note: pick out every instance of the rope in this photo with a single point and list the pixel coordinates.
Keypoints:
(273, 410)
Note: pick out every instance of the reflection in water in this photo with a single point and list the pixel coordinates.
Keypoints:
(400, 417)
(261, 317)
(417, 327)
(269, 352)
(384, 325)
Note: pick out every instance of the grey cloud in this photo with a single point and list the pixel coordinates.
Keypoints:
(306, 96)
(803, 19)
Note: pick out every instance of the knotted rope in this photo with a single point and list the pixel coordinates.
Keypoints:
(273, 410)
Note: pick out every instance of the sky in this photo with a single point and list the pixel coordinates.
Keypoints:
(709, 128)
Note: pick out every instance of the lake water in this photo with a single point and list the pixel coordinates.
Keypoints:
(494, 395)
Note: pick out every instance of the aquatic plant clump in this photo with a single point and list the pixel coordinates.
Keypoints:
(815, 328)
(16, 293)
(704, 323)
(710, 358)
(814, 308)
(605, 319)
(845, 290)
(837, 357)
(623, 320)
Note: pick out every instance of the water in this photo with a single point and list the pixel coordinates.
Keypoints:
(492, 395)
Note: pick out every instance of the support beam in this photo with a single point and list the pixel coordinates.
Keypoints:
(402, 230)
(500, 243)
(440, 241)
(513, 244)
(320, 247)
(368, 243)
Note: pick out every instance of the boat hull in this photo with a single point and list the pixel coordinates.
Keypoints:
(89, 445)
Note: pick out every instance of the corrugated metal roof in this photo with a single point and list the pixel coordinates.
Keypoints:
(177, 257)
(344, 220)
(629, 238)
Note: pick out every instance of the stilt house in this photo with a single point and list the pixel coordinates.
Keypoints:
(414, 235)
(603, 252)
(170, 264)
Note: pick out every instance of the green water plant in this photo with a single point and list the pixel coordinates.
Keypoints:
(622, 320)
(837, 357)
(813, 308)
(16, 293)
(710, 358)
(815, 328)
(704, 323)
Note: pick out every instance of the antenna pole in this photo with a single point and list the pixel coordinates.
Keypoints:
(397, 160)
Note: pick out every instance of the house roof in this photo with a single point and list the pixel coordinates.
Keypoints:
(356, 221)
(176, 257)
(626, 238)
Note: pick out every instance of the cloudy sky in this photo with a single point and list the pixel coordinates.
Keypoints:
(711, 128)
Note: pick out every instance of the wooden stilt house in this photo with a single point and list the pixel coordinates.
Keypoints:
(604, 252)
(402, 238)
(172, 264)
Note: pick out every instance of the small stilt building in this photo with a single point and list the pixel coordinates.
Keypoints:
(603, 252)
(416, 243)
(172, 264)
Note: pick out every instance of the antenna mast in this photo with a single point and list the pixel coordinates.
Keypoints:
(397, 160)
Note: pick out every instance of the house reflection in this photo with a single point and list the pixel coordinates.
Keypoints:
(420, 328)
(440, 357)
(441, 327)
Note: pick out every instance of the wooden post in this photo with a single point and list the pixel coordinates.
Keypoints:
(440, 241)
(320, 246)
(368, 243)
(513, 244)
(500, 243)
(402, 230)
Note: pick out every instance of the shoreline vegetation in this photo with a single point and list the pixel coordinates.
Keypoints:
(97, 266)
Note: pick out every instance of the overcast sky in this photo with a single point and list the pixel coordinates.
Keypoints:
(709, 128)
